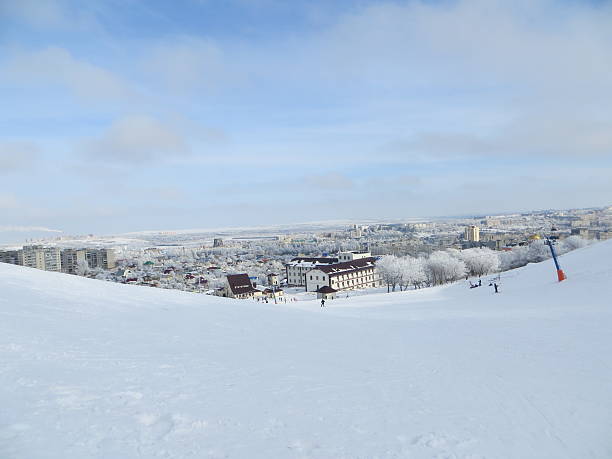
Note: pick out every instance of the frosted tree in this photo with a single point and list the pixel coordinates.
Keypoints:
(389, 269)
(442, 267)
(412, 272)
(538, 251)
(480, 261)
(82, 268)
(572, 243)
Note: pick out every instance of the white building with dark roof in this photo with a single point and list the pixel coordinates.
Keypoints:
(298, 267)
(349, 275)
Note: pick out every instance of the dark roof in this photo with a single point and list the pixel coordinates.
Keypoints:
(355, 265)
(240, 284)
(326, 289)
(321, 260)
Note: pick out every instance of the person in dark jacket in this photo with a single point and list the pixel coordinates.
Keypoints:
(322, 303)
(496, 287)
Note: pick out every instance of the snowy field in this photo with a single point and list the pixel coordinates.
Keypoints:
(99, 370)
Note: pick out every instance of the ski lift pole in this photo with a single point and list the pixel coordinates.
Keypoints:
(560, 274)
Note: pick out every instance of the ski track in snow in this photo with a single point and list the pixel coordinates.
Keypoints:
(96, 370)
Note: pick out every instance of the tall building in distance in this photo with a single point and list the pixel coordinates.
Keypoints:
(100, 258)
(71, 259)
(13, 257)
(54, 259)
(39, 257)
(472, 233)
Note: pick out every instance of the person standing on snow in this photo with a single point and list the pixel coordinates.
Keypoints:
(496, 287)
(322, 303)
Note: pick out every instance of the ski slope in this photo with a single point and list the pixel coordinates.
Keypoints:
(97, 370)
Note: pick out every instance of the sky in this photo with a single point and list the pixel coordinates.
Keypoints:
(120, 116)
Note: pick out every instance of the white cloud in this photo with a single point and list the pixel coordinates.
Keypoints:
(27, 229)
(137, 139)
(55, 66)
(189, 63)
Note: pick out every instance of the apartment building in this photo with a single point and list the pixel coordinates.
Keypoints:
(39, 257)
(95, 258)
(13, 257)
(348, 275)
(101, 258)
(472, 233)
(297, 268)
(71, 259)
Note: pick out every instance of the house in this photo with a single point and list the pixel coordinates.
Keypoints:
(349, 275)
(326, 293)
(125, 273)
(238, 286)
(274, 293)
(273, 279)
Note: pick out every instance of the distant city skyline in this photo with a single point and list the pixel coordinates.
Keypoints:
(129, 116)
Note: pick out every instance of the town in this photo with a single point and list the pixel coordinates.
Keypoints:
(318, 264)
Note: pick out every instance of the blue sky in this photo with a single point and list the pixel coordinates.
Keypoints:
(130, 115)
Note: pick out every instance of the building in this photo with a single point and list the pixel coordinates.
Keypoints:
(326, 293)
(348, 275)
(274, 294)
(217, 242)
(350, 256)
(39, 257)
(238, 286)
(472, 233)
(72, 259)
(273, 280)
(95, 258)
(100, 258)
(297, 268)
(14, 257)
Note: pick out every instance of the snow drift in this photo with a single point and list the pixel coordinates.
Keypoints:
(98, 370)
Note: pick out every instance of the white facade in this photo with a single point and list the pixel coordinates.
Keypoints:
(350, 256)
(298, 267)
(344, 276)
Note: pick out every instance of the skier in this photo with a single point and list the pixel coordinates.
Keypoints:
(479, 282)
(322, 303)
(496, 287)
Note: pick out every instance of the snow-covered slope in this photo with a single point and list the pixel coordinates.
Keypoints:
(97, 370)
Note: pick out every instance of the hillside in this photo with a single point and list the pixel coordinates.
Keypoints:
(98, 370)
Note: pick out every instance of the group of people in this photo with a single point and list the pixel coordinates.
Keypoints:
(495, 285)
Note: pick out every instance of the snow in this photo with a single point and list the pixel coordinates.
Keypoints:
(90, 369)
